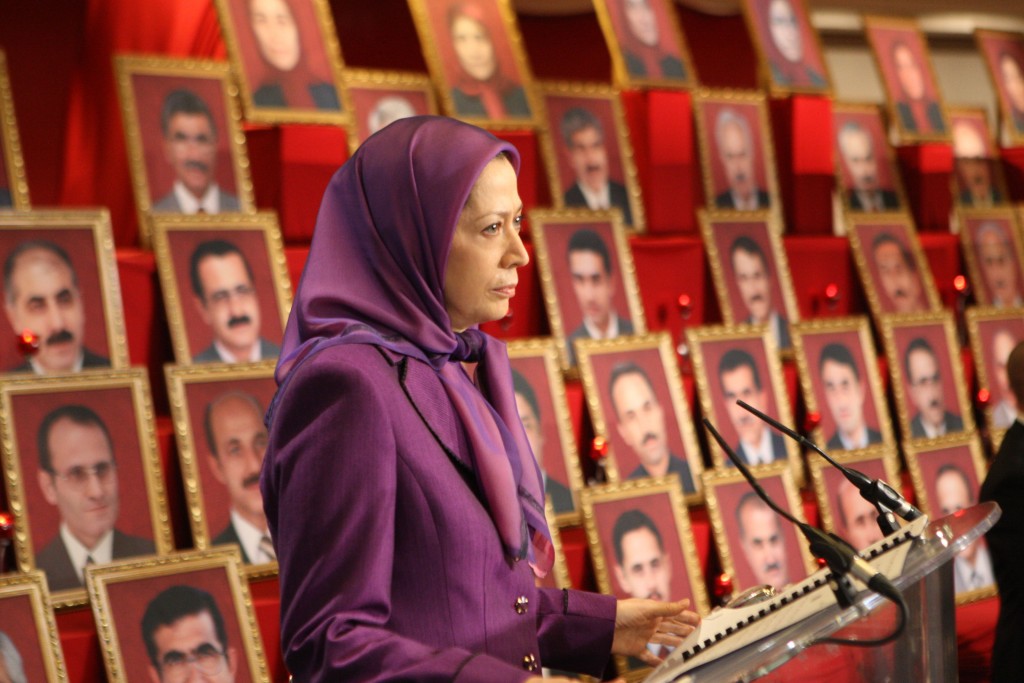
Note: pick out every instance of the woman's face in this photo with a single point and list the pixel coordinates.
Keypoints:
(473, 47)
(480, 278)
(276, 33)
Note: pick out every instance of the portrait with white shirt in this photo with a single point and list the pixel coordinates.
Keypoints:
(183, 127)
(90, 489)
(225, 286)
(993, 333)
(994, 254)
(867, 177)
(844, 511)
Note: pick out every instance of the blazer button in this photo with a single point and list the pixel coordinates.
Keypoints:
(530, 663)
(521, 604)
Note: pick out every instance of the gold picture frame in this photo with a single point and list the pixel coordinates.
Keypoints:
(875, 165)
(993, 333)
(997, 47)
(993, 248)
(379, 97)
(975, 160)
(13, 179)
(790, 58)
(30, 627)
(630, 68)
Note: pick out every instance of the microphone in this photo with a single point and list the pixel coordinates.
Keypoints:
(840, 556)
(875, 491)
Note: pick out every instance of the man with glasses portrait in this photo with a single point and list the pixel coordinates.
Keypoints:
(186, 639)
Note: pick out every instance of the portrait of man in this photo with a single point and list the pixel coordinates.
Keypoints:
(531, 417)
(190, 148)
(641, 41)
(972, 567)
(186, 639)
(389, 109)
(927, 396)
(762, 542)
(12, 669)
(585, 147)
(975, 166)
(642, 567)
(857, 519)
(898, 275)
(237, 439)
(740, 379)
(42, 296)
(790, 58)
(1012, 75)
(640, 422)
(227, 301)
(917, 111)
(755, 281)
(78, 475)
(1004, 411)
(996, 257)
(845, 394)
(734, 143)
(594, 283)
(860, 158)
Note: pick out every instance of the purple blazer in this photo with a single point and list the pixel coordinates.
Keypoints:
(390, 566)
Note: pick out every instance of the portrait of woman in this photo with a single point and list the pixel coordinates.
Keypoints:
(645, 42)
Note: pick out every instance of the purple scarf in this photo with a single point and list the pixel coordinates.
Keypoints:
(375, 275)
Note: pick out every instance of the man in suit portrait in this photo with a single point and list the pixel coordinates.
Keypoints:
(762, 542)
(225, 296)
(754, 280)
(530, 416)
(974, 167)
(78, 475)
(845, 393)
(583, 135)
(12, 669)
(388, 109)
(186, 638)
(972, 567)
(898, 274)
(237, 439)
(42, 297)
(640, 421)
(1005, 410)
(918, 113)
(784, 31)
(857, 518)
(1003, 484)
(857, 148)
(1013, 83)
(594, 282)
(641, 48)
(997, 262)
(924, 375)
(735, 143)
(190, 147)
(740, 380)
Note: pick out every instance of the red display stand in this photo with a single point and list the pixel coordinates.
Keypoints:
(802, 128)
(927, 173)
(1013, 165)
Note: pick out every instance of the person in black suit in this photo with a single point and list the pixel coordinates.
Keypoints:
(735, 144)
(753, 273)
(530, 415)
(926, 393)
(790, 67)
(593, 282)
(1003, 484)
(861, 160)
(583, 135)
(845, 393)
(42, 297)
(739, 378)
(78, 475)
(237, 441)
(918, 113)
(641, 44)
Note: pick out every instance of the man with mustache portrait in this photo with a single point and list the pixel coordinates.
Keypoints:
(857, 149)
(740, 380)
(926, 394)
(237, 439)
(41, 296)
(754, 281)
(735, 143)
(898, 275)
(762, 542)
(588, 156)
(190, 147)
(226, 299)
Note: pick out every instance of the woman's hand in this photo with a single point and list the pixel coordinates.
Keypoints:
(641, 621)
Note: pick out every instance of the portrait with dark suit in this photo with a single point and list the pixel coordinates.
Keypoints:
(978, 180)
(843, 509)
(993, 333)
(646, 43)
(13, 182)
(994, 254)
(866, 171)
(1003, 52)
(91, 490)
(380, 98)
(787, 45)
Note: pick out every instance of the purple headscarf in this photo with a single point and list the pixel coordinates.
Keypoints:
(375, 275)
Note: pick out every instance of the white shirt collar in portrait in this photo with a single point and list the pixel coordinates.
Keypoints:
(748, 204)
(79, 554)
(601, 199)
(210, 203)
(76, 367)
(249, 538)
(762, 452)
(931, 431)
(969, 577)
(860, 442)
(228, 357)
(611, 333)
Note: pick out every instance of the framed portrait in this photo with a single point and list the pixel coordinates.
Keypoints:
(867, 177)
(140, 607)
(544, 410)
(1004, 56)
(586, 275)
(382, 97)
(646, 44)
(636, 401)
(741, 362)
(891, 264)
(750, 270)
(29, 644)
(840, 382)
(186, 147)
(225, 286)
(911, 89)
(83, 474)
(947, 475)
(642, 546)
(736, 153)
(843, 511)
(994, 332)
(791, 59)
(927, 375)
(978, 179)
(218, 426)
(286, 57)
(13, 181)
(476, 58)
(558, 576)
(587, 151)
(65, 305)
(755, 544)
(992, 247)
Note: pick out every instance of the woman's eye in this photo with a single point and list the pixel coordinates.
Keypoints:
(518, 223)
(492, 229)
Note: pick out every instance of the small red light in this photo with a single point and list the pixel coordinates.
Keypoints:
(960, 283)
(812, 420)
(722, 587)
(984, 396)
(598, 448)
(683, 300)
(28, 343)
(821, 562)
(6, 524)
(832, 291)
